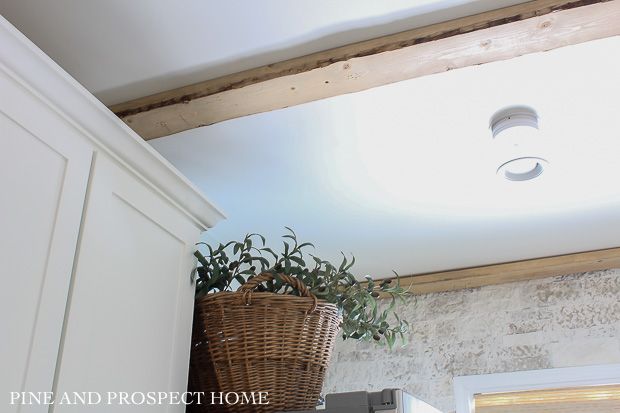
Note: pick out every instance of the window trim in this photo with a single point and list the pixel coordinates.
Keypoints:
(466, 386)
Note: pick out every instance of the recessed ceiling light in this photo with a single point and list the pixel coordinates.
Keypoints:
(522, 169)
(515, 129)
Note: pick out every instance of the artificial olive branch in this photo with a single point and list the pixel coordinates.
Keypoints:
(360, 302)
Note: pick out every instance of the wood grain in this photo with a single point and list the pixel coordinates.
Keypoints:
(512, 271)
(501, 34)
(599, 399)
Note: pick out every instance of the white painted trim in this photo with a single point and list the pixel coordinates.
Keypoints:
(32, 68)
(466, 386)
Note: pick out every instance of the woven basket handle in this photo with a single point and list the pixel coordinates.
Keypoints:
(251, 285)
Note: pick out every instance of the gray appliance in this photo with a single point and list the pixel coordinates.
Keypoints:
(385, 401)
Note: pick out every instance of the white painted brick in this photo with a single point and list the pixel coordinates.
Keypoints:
(555, 322)
(585, 352)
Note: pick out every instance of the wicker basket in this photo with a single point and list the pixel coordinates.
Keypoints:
(249, 341)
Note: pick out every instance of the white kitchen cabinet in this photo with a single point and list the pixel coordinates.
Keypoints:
(96, 245)
(131, 305)
(44, 173)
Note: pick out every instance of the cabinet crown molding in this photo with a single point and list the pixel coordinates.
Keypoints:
(42, 77)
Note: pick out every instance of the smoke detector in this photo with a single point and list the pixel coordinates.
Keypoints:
(515, 131)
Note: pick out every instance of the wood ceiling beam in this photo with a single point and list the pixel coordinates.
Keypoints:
(501, 34)
(513, 271)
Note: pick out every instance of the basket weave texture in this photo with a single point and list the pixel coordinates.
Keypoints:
(249, 341)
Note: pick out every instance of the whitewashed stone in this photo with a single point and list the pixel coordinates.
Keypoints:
(561, 321)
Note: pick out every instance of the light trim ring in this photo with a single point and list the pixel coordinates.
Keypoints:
(505, 169)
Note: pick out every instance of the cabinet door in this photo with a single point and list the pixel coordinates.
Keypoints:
(130, 310)
(44, 167)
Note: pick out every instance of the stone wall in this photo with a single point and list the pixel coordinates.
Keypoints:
(563, 321)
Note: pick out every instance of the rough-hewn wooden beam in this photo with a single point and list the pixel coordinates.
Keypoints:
(513, 271)
(496, 35)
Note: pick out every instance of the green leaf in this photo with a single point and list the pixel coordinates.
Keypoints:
(270, 251)
(350, 264)
(246, 272)
(391, 339)
(263, 261)
(343, 263)
(297, 260)
(201, 258)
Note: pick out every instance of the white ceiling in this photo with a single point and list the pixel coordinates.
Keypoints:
(403, 176)
(124, 49)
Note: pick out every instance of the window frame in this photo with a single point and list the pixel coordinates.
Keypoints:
(465, 387)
